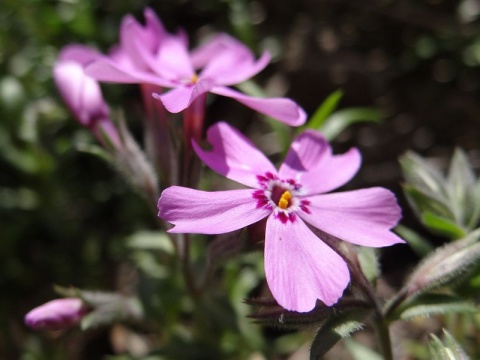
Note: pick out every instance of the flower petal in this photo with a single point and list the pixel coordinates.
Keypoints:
(310, 162)
(283, 109)
(172, 60)
(79, 53)
(207, 51)
(229, 67)
(107, 70)
(362, 217)
(135, 42)
(300, 268)
(180, 98)
(81, 93)
(202, 212)
(154, 29)
(233, 155)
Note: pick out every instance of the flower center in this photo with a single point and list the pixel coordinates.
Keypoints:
(194, 79)
(284, 201)
(282, 196)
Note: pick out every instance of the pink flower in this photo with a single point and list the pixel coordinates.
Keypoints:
(300, 268)
(56, 314)
(151, 55)
(83, 94)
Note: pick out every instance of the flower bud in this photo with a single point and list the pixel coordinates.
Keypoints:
(56, 314)
(83, 96)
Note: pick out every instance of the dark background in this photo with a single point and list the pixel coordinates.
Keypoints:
(64, 213)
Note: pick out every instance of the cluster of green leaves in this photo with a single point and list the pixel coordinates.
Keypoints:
(446, 205)
(446, 282)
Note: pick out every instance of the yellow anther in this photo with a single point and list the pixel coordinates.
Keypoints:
(194, 78)
(284, 201)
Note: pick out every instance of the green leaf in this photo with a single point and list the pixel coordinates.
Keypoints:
(445, 265)
(341, 119)
(421, 174)
(109, 308)
(148, 263)
(450, 349)
(249, 87)
(431, 305)
(95, 150)
(442, 226)
(369, 263)
(23, 159)
(334, 329)
(326, 108)
(461, 188)
(422, 201)
(289, 343)
(475, 216)
(456, 348)
(361, 352)
(151, 240)
(418, 243)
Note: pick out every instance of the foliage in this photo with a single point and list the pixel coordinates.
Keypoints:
(69, 218)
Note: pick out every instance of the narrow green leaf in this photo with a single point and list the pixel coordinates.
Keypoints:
(334, 329)
(345, 330)
(422, 200)
(341, 119)
(474, 220)
(421, 174)
(445, 265)
(249, 87)
(449, 349)
(96, 319)
(436, 348)
(427, 304)
(23, 160)
(147, 262)
(369, 262)
(418, 243)
(361, 352)
(456, 348)
(326, 108)
(461, 187)
(423, 311)
(95, 150)
(442, 226)
(151, 240)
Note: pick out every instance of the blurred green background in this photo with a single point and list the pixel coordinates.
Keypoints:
(64, 214)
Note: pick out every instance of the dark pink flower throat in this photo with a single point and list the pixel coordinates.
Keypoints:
(280, 196)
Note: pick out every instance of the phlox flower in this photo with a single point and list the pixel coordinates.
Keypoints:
(300, 268)
(56, 314)
(83, 94)
(151, 55)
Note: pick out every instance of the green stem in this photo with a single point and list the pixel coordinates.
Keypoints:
(380, 321)
(383, 332)
(395, 303)
(188, 275)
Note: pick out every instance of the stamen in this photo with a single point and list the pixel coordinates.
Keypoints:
(284, 201)
(194, 78)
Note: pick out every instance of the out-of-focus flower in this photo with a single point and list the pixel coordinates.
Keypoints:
(83, 95)
(151, 55)
(56, 314)
(300, 268)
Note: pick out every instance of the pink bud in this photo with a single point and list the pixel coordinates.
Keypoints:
(83, 94)
(56, 314)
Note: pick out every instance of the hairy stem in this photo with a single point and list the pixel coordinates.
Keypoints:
(188, 274)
